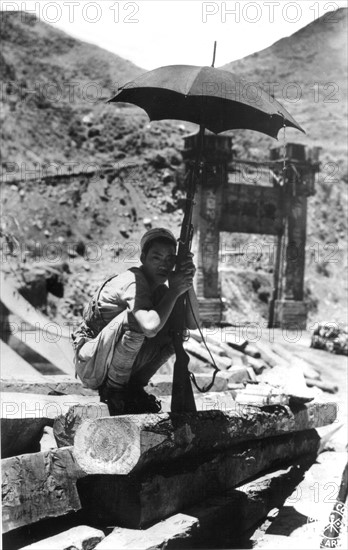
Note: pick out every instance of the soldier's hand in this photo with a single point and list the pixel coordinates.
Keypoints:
(187, 266)
(181, 280)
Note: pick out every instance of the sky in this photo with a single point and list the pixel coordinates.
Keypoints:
(152, 33)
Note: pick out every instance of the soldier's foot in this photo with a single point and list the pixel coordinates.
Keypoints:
(138, 401)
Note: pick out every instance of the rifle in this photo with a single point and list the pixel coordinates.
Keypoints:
(182, 393)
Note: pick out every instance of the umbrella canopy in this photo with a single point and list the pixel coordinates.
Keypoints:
(216, 99)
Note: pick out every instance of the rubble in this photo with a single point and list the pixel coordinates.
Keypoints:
(79, 538)
(267, 362)
(330, 337)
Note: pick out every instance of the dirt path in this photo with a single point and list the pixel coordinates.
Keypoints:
(305, 514)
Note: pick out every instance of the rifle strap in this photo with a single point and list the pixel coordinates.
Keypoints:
(215, 367)
(206, 388)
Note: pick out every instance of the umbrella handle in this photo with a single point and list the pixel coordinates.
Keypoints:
(186, 227)
(182, 392)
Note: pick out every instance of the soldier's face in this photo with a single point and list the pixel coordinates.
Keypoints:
(159, 262)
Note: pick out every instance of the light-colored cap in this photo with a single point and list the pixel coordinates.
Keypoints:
(156, 233)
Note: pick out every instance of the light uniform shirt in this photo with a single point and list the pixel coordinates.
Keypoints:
(131, 291)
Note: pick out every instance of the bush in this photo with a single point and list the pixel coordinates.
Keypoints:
(322, 269)
(311, 301)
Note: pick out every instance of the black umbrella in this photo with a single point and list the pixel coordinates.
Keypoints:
(217, 100)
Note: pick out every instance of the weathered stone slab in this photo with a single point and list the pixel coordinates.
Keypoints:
(47, 441)
(290, 379)
(198, 350)
(236, 356)
(24, 415)
(48, 385)
(322, 385)
(307, 370)
(38, 486)
(226, 336)
(21, 435)
(218, 518)
(175, 528)
(43, 485)
(118, 445)
(77, 538)
(137, 500)
(316, 513)
(65, 425)
(38, 332)
(217, 343)
(198, 365)
(261, 395)
(224, 519)
(30, 405)
(238, 375)
(234, 339)
(161, 384)
(258, 365)
(13, 365)
(268, 355)
(210, 401)
(252, 351)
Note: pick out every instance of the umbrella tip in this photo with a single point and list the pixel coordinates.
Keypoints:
(298, 127)
(214, 54)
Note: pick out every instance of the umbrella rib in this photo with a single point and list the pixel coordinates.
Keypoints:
(192, 80)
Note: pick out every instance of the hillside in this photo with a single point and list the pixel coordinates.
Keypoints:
(50, 81)
(66, 122)
(308, 74)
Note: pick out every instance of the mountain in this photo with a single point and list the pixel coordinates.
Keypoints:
(307, 72)
(53, 113)
(49, 82)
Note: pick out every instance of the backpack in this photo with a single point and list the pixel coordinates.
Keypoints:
(92, 316)
(91, 325)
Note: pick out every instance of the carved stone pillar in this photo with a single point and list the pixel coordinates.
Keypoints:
(206, 219)
(290, 310)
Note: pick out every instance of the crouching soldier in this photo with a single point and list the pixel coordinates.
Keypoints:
(125, 336)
